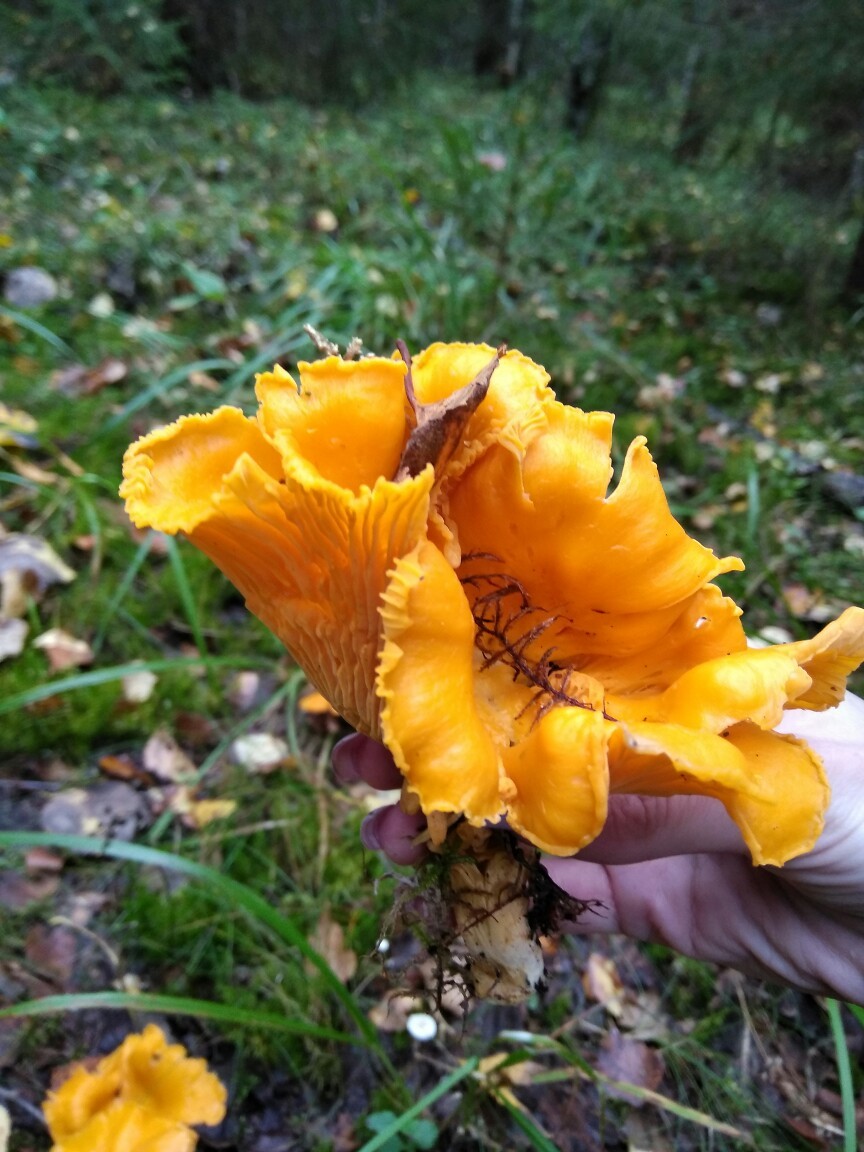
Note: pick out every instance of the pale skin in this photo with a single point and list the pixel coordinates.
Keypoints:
(675, 870)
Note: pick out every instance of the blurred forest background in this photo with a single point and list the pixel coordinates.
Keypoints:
(662, 201)
(774, 86)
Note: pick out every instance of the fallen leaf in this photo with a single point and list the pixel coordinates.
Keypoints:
(28, 565)
(17, 428)
(81, 907)
(438, 427)
(43, 860)
(261, 753)
(630, 1062)
(391, 1012)
(771, 383)
(521, 1074)
(243, 689)
(603, 984)
(733, 378)
(811, 606)
(17, 891)
(182, 801)
(63, 649)
(124, 768)
(205, 381)
(51, 951)
(204, 812)
(138, 686)
(342, 1135)
(167, 761)
(13, 633)
(110, 809)
(80, 381)
(663, 391)
(196, 730)
(810, 372)
(328, 940)
(30, 471)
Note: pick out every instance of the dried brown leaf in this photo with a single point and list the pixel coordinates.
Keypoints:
(391, 1012)
(80, 381)
(603, 984)
(166, 760)
(51, 951)
(328, 939)
(64, 650)
(17, 891)
(439, 427)
(630, 1062)
(43, 860)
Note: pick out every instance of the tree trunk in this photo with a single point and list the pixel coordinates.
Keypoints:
(853, 285)
(587, 76)
(500, 44)
(693, 128)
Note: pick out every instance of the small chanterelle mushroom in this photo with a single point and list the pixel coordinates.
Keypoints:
(437, 543)
(145, 1094)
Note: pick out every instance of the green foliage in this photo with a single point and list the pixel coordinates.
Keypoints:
(94, 45)
(420, 1133)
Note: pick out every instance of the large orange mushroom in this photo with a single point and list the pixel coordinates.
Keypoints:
(439, 546)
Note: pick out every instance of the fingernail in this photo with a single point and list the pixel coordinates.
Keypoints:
(369, 833)
(344, 761)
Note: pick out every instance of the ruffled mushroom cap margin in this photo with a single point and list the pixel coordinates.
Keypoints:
(636, 676)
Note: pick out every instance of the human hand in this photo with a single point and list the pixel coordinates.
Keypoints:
(675, 871)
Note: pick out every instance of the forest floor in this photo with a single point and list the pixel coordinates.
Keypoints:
(189, 243)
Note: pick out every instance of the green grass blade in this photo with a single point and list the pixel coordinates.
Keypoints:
(402, 1122)
(123, 587)
(844, 1075)
(106, 675)
(184, 591)
(37, 329)
(536, 1135)
(221, 886)
(173, 1006)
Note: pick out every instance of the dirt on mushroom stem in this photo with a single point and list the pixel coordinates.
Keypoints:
(481, 902)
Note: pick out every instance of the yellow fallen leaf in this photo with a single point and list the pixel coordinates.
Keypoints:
(203, 812)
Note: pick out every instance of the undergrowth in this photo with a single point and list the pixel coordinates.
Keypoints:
(192, 241)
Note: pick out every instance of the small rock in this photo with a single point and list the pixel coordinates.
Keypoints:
(29, 287)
